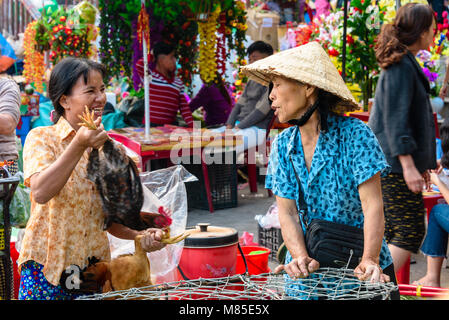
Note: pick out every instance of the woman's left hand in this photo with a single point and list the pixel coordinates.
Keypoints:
(152, 239)
(369, 270)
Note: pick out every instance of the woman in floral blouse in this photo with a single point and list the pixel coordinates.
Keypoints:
(66, 223)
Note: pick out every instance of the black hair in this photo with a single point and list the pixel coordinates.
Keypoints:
(412, 19)
(64, 77)
(162, 48)
(260, 46)
(444, 136)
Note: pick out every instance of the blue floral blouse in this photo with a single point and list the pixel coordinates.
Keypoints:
(345, 156)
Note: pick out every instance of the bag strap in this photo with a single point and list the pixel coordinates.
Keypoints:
(301, 201)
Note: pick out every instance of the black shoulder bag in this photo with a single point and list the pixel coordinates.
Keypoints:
(332, 244)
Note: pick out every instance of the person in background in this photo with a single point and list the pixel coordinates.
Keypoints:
(65, 228)
(166, 90)
(435, 243)
(252, 112)
(402, 120)
(9, 118)
(216, 100)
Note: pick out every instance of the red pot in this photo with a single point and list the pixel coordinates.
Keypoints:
(209, 252)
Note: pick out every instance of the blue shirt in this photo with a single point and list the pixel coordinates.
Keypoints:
(345, 156)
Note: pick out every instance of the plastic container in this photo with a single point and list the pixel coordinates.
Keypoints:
(209, 252)
(23, 128)
(257, 262)
(270, 238)
(222, 182)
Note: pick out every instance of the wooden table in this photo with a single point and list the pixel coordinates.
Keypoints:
(172, 142)
(364, 116)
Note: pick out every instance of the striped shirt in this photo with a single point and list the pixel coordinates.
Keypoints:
(166, 98)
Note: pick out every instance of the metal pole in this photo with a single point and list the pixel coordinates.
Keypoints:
(345, 21)
(146, 85)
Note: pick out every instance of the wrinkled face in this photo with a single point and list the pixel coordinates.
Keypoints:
(290, 98)
(167, 62)
(91, 94)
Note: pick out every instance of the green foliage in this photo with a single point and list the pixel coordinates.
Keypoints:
(363, 26)
(116, 35)
(65, 32)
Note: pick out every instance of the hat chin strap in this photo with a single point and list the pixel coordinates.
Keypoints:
(306, 116)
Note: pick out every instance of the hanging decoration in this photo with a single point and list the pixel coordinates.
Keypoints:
(236, 30)
(221, 44)
(236, 35)
(116, 18)
(34, 64)
(143, 27)
(67, 32)
(179, 22)
(208, 40)
(187, 50)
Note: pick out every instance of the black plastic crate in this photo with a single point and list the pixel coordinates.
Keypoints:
(222, 180)
(6, 278)
(270, 238)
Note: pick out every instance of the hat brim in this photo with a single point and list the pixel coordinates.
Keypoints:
(306, 66)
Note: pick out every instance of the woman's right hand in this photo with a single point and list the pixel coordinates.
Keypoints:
(299, 267)
(414, 180)
(92, 138)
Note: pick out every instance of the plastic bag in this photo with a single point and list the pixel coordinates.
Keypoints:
(165, 188)
(247, 239)
(271, 219)
(20, 206)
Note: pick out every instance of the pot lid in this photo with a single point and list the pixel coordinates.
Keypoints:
(204, 235)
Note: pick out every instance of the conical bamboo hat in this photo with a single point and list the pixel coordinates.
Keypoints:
(308, 64)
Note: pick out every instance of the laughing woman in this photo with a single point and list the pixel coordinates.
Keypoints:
(337, 159)
(66, 223)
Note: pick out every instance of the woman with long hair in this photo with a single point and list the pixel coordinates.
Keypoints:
(402, 119)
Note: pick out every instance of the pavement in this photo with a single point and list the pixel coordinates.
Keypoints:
(242, 218)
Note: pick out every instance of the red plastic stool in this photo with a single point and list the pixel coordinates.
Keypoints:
(16, 275)
(403, 274)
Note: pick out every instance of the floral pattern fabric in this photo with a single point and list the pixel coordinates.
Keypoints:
(34, 286)
(68, 229)
(345, 156)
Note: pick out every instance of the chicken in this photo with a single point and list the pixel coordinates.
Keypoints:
(161, 220)
(126, 271)
(117, 179)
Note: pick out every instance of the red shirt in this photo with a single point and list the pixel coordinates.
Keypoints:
(166, 98)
